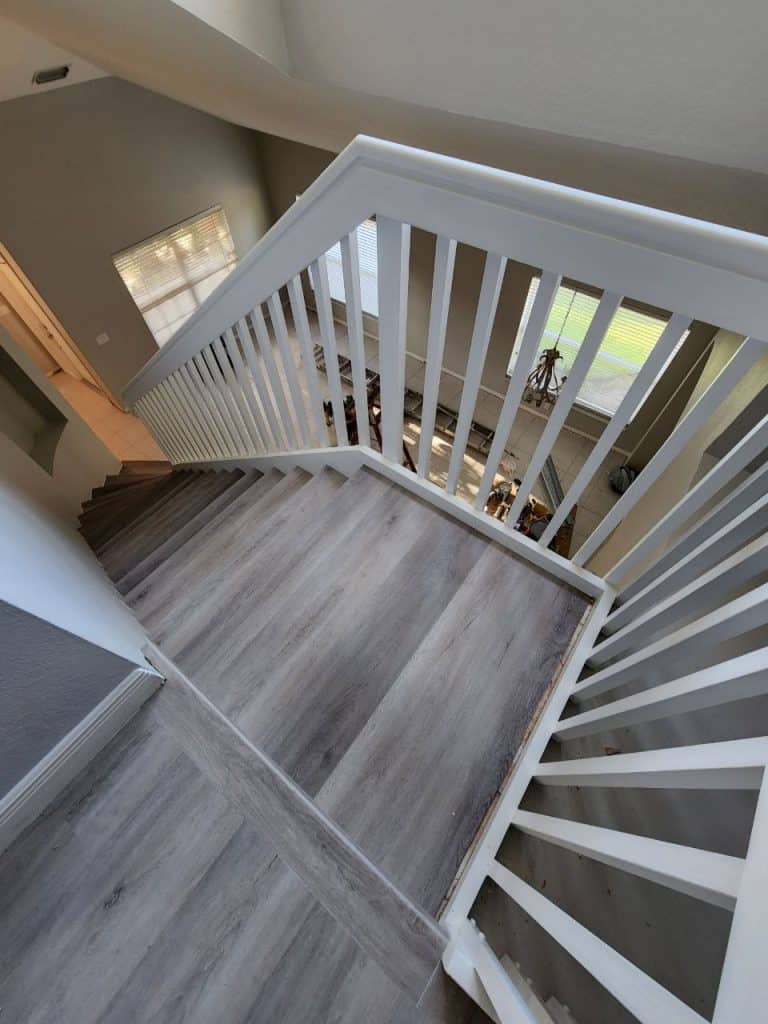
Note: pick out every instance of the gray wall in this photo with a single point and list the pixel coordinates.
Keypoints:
(93, 168)
(289, 167)
(49, 681)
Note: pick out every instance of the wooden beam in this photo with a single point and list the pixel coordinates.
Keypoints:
(405, 941)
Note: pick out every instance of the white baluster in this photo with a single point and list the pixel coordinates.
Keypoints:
(393, 247)
(214, 394)
(751, 446)
(741, 362)
(233, 418)
(643, 382)
(442, 279)
(490, 290)
(149, 416)
(256, 371)
(185, 416)
(247, 386)
(284, 345)
(188, 398)
(319, 271)
(529, 347)
(157, 401)
(268, 357)
(350, 263)
(245, 420)
(588, 349)
(301, 323)
(205, 401)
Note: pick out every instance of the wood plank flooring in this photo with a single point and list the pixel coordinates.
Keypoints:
(386, 657)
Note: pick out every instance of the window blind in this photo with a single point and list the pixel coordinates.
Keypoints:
(369, 266)
(627, 344)
(170, 274)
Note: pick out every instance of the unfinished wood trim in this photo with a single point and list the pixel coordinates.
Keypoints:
(405, 941)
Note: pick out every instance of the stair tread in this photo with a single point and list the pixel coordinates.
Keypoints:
(184, 532)
(255, 565)
(158, 466)
(104, 497)
(137, 498)
(141, 511)
(142, 539)
(172, 577)
(172, 602)
(100, 525)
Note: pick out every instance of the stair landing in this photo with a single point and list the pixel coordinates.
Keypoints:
(387, 657)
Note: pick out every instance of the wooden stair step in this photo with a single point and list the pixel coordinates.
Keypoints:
(153, 531)
(331, 645)
(291, 548)
(184, 532)
(220, 558)
(104, 498)
(146, 466)
(179, 570)
(467, 696)
(99, 525)
(168, 490)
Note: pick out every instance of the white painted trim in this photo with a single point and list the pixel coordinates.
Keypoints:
(32, 794)
(349, 458)
(712, 877)
(714, 273)
(642, 995)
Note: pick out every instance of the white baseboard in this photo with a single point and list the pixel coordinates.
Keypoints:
(32, 794)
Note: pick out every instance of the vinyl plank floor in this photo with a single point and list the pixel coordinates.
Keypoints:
(386, 656)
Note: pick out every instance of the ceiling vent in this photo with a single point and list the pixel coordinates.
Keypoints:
(48, 75)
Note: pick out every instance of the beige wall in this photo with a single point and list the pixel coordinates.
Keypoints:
(289, 167)
(48, 569)
(693, 461)
(93, 168)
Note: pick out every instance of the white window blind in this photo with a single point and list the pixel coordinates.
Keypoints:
(627, 344)
(368, 258)
(170, 274)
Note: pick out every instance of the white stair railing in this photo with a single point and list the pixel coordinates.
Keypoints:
(230, 386)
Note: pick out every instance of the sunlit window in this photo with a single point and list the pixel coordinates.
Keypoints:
(627, 344)
(369, 265)
(170, 274)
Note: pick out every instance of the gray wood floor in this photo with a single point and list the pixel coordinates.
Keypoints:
(386, 657)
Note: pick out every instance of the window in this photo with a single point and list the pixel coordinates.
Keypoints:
(627, 344)
(171, 273)
(368, 256)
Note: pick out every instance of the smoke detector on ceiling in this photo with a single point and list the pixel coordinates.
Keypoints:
(48, 75)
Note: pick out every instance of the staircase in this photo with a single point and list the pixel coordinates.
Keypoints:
(395, 732)
(389, 659)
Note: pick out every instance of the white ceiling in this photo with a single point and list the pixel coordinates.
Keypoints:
(22, 54)
(665, 78)
(682, 77)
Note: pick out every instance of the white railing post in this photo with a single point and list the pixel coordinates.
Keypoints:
(350, 262)
(393, 242)
(529, 347)
(319, 272)
(445, 259)
(490, 289)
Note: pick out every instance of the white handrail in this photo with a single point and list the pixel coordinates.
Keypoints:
(247, 400)
(716, 273)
